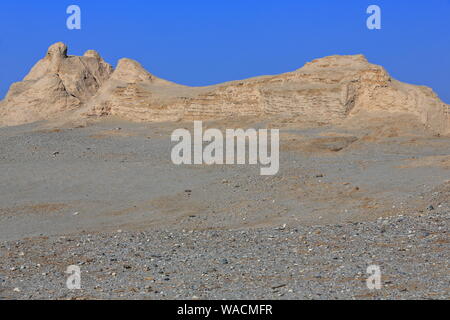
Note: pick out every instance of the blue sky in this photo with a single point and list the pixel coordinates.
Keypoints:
(206, 42)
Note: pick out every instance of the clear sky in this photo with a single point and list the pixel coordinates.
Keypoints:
(205, 42)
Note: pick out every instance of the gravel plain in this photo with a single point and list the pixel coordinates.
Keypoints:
(106, 198)
(316, 262)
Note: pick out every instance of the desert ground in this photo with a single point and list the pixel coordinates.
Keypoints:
(87, 179)
(104, 195)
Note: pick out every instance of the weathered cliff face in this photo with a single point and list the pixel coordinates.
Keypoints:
(323, 90)
(327, 90)
(57, 83)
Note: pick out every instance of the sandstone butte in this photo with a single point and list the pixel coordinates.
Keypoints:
(328, 90)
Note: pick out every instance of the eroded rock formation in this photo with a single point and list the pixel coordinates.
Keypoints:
(327, 90)
(57, 83)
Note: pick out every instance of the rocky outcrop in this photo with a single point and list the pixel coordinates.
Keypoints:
(56, 84)
(327, 90)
